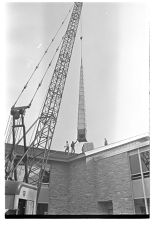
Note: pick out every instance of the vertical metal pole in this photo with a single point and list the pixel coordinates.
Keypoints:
(25, 148)
(13, 130)
(143, 185)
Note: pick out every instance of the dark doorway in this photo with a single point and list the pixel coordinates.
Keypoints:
(21, 207)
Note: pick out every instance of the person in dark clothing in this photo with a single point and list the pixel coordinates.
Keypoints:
(105, 142)
(73, 146)
(67, 147)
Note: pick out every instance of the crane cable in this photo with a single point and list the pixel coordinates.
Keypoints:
(8, 130)
(7, 126)
(36, 92)
(35, 95)
(39, 85)
(25, 86)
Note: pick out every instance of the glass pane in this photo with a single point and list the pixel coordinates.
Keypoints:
(105, 207)
(46, 177)
(148, 203)
(134, 164)
(145, 160)
(42, 208)
(139, 206)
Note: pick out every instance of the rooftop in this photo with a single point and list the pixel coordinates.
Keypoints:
(123, 145)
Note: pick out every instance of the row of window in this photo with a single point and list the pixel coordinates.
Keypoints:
(106, 207)
(140, 161)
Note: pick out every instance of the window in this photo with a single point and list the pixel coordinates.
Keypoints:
(42, 209)
(145, 161)
(148, 203)
(105, 207)
(46, 176)
(135, 165)
(140, 206)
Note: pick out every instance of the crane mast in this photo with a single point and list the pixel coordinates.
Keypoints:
(38, 151)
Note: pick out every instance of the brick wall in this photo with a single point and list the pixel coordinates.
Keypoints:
(77, 187)
(114, 183)
(81, 187)
(58, 189)
(71, 189)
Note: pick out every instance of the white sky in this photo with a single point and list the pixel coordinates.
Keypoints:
(115, 60)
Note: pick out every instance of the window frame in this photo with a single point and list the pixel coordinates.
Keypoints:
(136, 176)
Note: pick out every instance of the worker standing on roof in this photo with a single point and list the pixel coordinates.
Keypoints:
(105, 142)
(67, 147)
(72, 146)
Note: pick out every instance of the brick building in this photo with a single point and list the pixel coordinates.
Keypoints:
(113, 179)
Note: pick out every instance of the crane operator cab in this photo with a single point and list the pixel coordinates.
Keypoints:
(20, 198)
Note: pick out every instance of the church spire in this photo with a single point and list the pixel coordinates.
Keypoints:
(81, 135)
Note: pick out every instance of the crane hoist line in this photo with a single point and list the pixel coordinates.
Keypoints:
(36, 155)
(42, 57)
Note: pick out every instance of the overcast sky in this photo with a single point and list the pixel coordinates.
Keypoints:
(115, 62)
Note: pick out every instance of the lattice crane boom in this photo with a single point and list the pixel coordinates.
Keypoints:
(37, 159)
(35, 156)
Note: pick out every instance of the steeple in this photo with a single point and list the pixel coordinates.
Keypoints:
(81, 134)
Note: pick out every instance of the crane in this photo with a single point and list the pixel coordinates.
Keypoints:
(36, 155)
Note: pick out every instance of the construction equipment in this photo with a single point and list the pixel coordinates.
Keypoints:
(36, 155)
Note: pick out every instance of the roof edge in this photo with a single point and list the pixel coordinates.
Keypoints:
(116, 144)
